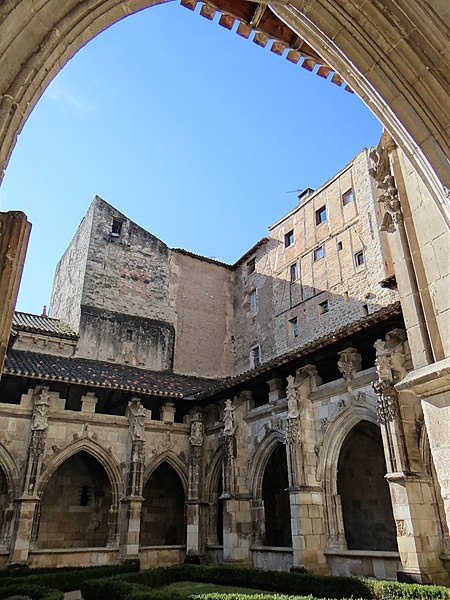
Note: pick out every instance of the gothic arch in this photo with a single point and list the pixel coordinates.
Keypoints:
(259, 462)
(334, 438)
(214, 472)
(93, 448)
(176, 463)
(374, 53)
(9, 468)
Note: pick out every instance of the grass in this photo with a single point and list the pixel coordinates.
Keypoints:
(193, 587)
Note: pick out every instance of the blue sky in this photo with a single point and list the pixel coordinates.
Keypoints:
(190, 130)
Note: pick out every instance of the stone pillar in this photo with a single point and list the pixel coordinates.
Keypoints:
(306, 497)
(26, 520)
(14, 234)
(88, 403)
(348, 364)
(237, 526)
(131, 503)
(168, 412)
(418, 534)
(195, 543)
(275, 390)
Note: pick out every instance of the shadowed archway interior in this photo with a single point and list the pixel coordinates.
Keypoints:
(276, 500)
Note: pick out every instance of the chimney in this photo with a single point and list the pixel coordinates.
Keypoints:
(44, 311)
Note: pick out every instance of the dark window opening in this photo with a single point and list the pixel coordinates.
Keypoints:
(321, 215)
(255, 356)
(116, 227)
(251, 266)
(294, 327)
(289, 238)
(84, 495)
(339, 246)
(129, 335)
(324, 307)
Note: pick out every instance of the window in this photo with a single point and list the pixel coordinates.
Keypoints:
(318, 253)
(129, 335)
(359, 258)
(253, 302)
(324, 308)
(84, 495)
(293, 272)
(339, 246)
(289, 238)
(116, 228)
(255, 357)
(294, 327)
(347, 197)
(251, 266)
(321, 215)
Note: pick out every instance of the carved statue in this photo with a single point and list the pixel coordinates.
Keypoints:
(137, 415)
(39, 420)
(196, 437)
(228, 418)
(292, 398)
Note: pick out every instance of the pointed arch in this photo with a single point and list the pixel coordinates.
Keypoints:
(214, 472)
(260, 460)
(334, 437)
(104, 457)
(8, 464)
(174, 461)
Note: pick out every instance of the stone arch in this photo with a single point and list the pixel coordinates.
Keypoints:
(327, 468)
(104, 457)
(275, 500)
(174, 461)
(374, 55)
(259, 462)
(163, 520)
(213, 490)
(9, 467)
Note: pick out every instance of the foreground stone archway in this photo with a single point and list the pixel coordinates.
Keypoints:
(392, 56)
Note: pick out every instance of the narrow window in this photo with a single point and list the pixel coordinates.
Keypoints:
(324, 308)
(116, 228)
(253, 302)
(359, 258)
(321, 215)
(251, 266)
(289, 238)
(255, 356)
(318, 253)
(347, 197)
(129, 335)
(293, 272)
(294, 327)
(339, 246)
(84, 495)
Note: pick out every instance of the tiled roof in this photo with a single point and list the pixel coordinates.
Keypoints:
(101, 374)
(330, 338)
(42, 324)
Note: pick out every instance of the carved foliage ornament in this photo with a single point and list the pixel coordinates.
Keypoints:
(387, 403)
(381, 172)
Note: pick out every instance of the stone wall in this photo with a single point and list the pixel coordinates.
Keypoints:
(351, 290)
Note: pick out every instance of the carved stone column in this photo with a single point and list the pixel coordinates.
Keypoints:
(237, 525)
(410, 487)
(131, 503)
(305, 496)
(27, 511)
(195, 543)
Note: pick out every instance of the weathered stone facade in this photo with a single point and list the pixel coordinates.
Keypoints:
(188, 416)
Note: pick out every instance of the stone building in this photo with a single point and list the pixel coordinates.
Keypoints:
(173, 405)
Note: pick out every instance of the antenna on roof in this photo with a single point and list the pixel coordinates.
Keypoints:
(293, 191)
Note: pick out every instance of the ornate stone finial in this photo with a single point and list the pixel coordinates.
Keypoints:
(228, 419)
(349, 363)
(381, 172)
(39, 421)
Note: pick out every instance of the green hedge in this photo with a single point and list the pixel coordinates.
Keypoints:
(300, 584)
(65, 579)
(36, 592)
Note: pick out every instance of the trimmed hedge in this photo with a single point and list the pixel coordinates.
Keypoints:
(36, 592)
(300, 584)
(64, 579)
